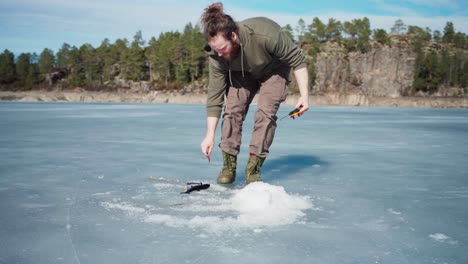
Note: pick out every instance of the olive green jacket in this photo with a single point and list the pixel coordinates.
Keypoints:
(263, 48)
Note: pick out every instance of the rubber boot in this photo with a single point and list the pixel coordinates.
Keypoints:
(228, 172)
(252, 171)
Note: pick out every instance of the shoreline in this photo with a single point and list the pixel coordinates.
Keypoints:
(200, 98)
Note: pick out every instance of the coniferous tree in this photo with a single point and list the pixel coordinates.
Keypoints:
(428, 77)
(437, 36)
(163, 57)
(318, 29)
(300, 30)
(196, 57)
(459, 40)
(134, 62)
(150, 54)
(420, 36)
(33, 75)
(23, 64)
(118, 52)
(464, 75)
(449, 33)
(350, 29)
(7, 67)
(63, 57)
(108, 61)
(458, 61)
(364, 34)
(419, 33)
(289, 31)
(91, 65)
(381, 36)
(46, 61)
(77, 72)
(398, 28)
(333, 30)
(444, 67)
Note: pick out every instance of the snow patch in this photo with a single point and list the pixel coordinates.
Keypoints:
(393, 211)
(130, 209)
(255, 207)
(443, 238)
(262, 204)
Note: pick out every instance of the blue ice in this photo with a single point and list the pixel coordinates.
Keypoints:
(101, 183)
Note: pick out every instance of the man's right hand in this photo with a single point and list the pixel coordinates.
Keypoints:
(208, 142)
(207, 146)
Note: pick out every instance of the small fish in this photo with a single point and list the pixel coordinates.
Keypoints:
(195, 186)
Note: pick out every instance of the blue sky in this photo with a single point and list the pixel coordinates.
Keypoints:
(32, 25)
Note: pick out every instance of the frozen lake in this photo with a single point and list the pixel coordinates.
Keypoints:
(101, 183)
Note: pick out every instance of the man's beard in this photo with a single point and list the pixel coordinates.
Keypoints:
(234, 52)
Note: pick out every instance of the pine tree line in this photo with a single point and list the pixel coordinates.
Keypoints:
(176, 59)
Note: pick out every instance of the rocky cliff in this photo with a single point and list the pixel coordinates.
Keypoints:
(382, 72)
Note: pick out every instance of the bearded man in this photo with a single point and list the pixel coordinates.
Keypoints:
(245, 58)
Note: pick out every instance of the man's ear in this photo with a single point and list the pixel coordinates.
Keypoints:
(234, 37)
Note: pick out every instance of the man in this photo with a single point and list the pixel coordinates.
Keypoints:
(245, 58)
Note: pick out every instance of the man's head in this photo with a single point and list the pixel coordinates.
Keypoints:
(220, 31)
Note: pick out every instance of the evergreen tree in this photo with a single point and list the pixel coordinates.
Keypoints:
(300, 30)
(444, 67)
(63, 57)
(419, 33)
(381, 36)
(289, 31)
(398, 28)
(27, 71)
(437, 36)
(163, 56)
(350, 29)
(194, 41)
(7, 67)
(23, 64)
(428, 77)
(133, 65)
(464, 75)
(46, 61)
(449, 33)
(33, 75)
(119, 51)
(458, 65)
(108, 61)
(364, 33)
(150, 54)
(420, 36)
(318, 29)
(459, 40)
(333, 30)
(91, 66)
(77, 77)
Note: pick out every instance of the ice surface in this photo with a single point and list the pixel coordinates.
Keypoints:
(101, 183)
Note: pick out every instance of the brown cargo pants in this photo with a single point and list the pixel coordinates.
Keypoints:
(272, 91)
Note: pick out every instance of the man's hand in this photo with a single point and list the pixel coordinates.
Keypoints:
(302, 78)
(302, 105)
(207, 146)
(208, 142)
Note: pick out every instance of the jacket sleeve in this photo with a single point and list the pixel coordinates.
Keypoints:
(283, 48)
(216, 89)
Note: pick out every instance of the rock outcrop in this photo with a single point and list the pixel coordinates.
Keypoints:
(383, 71)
